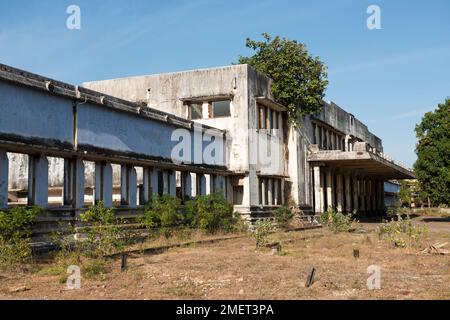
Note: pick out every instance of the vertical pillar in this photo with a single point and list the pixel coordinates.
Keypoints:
(318, 190)
(348, 196)
(194, 183)
(154, 182)
(172, 183)
(340, 193)
(372, 195)
(329, 182)
(144, 198)
(270, 191)
(362, 192)
(263, 191)
(355, 194)
(74, 183)
(132, 187)
(4, 167)
(276, 192)
(186, 185)
(316, 135)
(38, 181)
(103, 183)
(201, 180)
(208, 182)
(220, 185)
(165, 182)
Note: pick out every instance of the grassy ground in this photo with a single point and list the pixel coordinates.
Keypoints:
(233, 269)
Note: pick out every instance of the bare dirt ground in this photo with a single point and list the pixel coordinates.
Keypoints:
(233, 269)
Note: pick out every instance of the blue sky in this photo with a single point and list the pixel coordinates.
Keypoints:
(387, 78)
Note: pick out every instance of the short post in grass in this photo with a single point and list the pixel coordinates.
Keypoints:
(310, 277)
(124, 262)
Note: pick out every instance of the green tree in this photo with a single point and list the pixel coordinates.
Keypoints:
(405, 194)
(432, 167)
(300, 80)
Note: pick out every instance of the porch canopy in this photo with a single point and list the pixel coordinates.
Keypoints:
(361, 163)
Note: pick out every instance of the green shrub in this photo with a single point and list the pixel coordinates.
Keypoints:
(104, 235)
(261, 231)
(210, 213)
(15, 235)
(162, 213)
(283, 217)
(401, 233)
(336, 221)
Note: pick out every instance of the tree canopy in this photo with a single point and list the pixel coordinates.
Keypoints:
(432, 167)
(300, 80)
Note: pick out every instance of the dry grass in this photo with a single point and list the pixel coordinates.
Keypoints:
(233, 269)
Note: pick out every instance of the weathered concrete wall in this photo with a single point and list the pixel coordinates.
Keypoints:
(338, 118)
(39, 117)
(167, 92)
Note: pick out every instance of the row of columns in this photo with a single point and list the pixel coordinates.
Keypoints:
(328, 139)
(155, 181)
(271, 191)
(346, 192)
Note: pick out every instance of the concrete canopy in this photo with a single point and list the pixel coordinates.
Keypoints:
(361, 162)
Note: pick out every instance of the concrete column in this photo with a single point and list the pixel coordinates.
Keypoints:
(280, 124)
(355, 194)
(263, 191)
(276, 192)
(263, 118)
(381, 196)
(329, 182)
(317, 135)
(103, 183)
(318, 190)
(4, 167)
(220, 185)
(194, 189)
(348, 196)
(38, 181)
(340, 193)
(201, 184)
(186, 185)
(165, 182)
(172, 183)
(132, 188)
(270, 192)
(372, 195)
(154, 183)
(362, 193)
(208, 183)
(74, 183)
(145, 197)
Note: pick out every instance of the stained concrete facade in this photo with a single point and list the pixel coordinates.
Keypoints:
(114, 140)
(308, 171)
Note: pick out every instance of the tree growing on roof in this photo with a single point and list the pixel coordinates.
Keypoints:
(300, 80)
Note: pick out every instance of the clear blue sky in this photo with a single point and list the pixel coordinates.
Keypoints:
(388, 78)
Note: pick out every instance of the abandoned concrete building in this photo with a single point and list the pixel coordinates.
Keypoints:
(64, 147)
